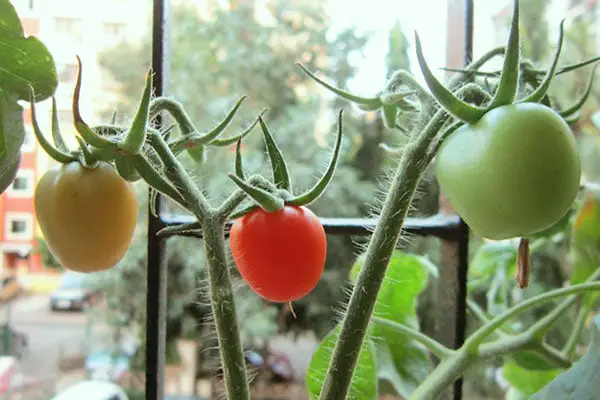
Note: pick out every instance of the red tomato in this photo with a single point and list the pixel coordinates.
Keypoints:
(280, 254)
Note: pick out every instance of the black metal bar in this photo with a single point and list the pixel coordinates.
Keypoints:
(156, 295)
(442, 226)
(463, 241)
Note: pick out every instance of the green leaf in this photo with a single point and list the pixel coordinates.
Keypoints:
(525, 380)
(489, 257)
(12, 134)
(27, 62)
(10, 24)
(582, 380)
(401, 361)
(364, 380)
(531, 360)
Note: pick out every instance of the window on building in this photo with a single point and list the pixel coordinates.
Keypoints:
(23, 185)
(68, 27)
(19, 226)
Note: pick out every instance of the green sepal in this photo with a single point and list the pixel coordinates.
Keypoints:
(400, 100)
(584, 96)
(189, 141)
(56, 154)
(509, 78)
(136, 136)
(372, 103)
(281, 176)
(316, 191)
(233, 139)
(105, 154)
(59, 142)
(197, 153)
(390, 115)
(264, 199)
(87, 160)
(239, 168)
(126, 168)
(173, 230)
(151, 176)
(84, 130)
(452, 104)
(542, 89)
(243, 211)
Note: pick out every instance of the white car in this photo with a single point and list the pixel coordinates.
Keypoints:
(92, 390)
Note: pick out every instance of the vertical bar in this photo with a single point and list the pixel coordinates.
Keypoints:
(156, 295)
(463, 239)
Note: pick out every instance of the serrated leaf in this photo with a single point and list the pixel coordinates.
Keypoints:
(27, 62)
(10, 24)
(401, 361)
(582, 380)
(364, 380)
(527, 381)
(12, 134)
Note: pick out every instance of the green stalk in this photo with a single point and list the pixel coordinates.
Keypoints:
(222, 301)
(571, 344)
(224, 312)
(413, 163)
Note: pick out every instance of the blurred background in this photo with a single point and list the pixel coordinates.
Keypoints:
(60, 328)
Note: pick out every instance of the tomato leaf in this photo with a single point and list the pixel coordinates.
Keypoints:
(12, 134)
(582, 380)
(364, 380)
(527, 381)
(531, 360)
(401, 361)
(26, 62)
(10, 24)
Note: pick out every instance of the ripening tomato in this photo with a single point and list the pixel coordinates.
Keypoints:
(87, 215)
(280, 254)
(513, 173)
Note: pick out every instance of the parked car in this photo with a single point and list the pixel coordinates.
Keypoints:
(9, 288)
(74, 292)
(92, 390)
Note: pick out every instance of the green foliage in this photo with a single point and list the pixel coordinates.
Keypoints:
(401, 361)
(580, 381)
(47, 258)
(527, 381)
(25, 63)
(364, 380)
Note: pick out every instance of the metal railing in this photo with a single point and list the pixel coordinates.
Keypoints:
(450, 229)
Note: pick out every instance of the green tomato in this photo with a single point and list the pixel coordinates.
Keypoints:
(513, 173)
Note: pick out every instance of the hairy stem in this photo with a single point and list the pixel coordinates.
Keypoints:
(413, 163)
(222, 301)
(224, 312)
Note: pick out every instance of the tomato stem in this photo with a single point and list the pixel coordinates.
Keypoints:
(224, 312)
(413, 162)
(56, 135)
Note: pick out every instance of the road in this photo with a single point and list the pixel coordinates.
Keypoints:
(49, 333)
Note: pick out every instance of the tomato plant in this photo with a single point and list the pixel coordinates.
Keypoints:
(280, 254)
(87, 215)
(514, 172)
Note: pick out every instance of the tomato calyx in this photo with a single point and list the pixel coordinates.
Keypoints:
(273, 196)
